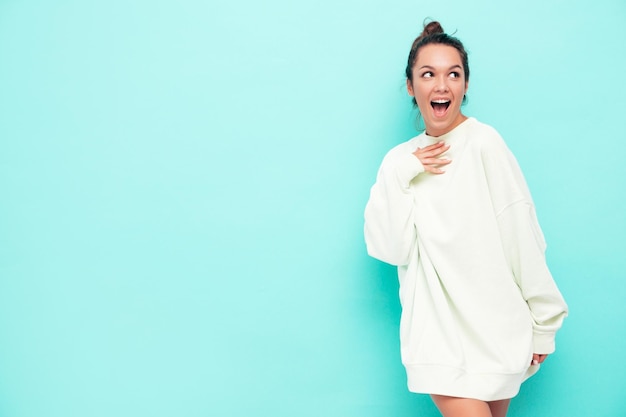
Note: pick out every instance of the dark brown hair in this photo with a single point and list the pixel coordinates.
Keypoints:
(433, 34)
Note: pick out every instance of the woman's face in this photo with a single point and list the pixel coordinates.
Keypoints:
(438, 87)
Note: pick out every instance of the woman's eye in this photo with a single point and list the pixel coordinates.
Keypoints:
(455, 74)
(427, 74)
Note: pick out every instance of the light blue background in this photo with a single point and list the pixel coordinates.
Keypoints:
(182, 187)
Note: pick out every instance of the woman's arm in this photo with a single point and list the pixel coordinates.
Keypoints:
(389, 227)
(525, 250)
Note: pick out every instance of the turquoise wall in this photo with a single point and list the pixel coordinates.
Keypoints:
(182, 188)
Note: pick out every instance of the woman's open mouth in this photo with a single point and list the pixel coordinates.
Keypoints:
(440, 107)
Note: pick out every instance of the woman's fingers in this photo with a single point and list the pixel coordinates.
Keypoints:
(432, 150)
(538, 358)
(434, 167)
(430, 157)
(435, 161)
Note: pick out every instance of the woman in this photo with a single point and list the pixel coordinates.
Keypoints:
(451, 209)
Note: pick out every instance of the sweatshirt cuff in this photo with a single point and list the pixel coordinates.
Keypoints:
(407, 168)
(543, 343)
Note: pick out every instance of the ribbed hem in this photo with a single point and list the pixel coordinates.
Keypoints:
(543, 343)
(455, 382)
(407, 168)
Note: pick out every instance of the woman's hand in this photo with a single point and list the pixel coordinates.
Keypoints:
(430, 157)
(537, 359)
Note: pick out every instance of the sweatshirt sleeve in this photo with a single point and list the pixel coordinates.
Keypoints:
(524, 247)
(389, 227)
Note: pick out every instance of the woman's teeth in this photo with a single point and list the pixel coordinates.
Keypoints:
(440, 106)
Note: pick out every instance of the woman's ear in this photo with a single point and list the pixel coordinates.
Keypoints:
(409, 87)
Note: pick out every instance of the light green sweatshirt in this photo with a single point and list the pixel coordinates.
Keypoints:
(477, 296)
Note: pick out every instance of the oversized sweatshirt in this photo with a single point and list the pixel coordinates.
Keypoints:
(477, 296)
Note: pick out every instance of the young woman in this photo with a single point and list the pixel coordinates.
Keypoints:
(451, 209)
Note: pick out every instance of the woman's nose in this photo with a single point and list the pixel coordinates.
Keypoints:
(441, 85)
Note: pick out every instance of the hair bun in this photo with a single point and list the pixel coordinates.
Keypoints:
(431, 28)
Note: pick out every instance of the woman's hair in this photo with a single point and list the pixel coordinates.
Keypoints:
(433, 34)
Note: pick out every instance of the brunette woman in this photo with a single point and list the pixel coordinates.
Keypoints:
(451, 209)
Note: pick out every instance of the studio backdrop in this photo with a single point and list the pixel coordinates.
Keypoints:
(182, 186)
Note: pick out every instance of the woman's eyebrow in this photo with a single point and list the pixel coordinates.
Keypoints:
(431, 67)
